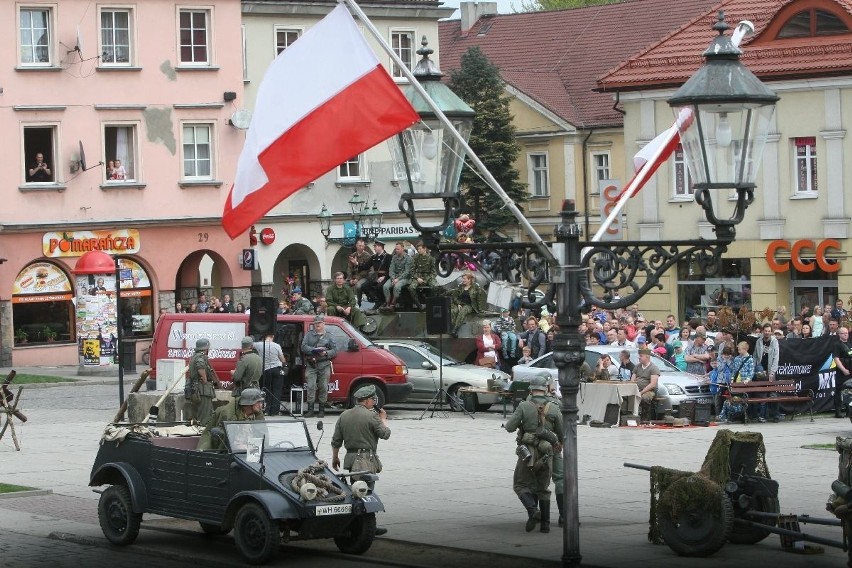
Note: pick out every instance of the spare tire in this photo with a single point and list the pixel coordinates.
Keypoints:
(695, 516)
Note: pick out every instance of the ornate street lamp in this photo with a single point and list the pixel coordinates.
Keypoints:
(724, 114)
(368, 222)
(427, 156)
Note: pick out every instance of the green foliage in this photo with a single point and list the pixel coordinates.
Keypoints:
(24, 379)
(10, 488)
(478, 83)
(550, 5)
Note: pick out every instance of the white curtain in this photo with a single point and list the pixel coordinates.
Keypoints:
(124, 150)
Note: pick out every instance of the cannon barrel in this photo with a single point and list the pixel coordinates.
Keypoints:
(637, 466)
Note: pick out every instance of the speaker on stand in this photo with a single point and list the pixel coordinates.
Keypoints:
(262, 316)
(438, 322)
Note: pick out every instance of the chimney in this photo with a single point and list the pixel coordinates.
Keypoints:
(472, 11)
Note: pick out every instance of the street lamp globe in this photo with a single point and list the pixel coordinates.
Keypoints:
(325, 221)
(358, 206)
(427, 158)
(723, 114)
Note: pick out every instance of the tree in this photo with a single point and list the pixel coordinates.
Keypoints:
(549, 5)
(478, 83)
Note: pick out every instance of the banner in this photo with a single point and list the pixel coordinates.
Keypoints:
(810, 362)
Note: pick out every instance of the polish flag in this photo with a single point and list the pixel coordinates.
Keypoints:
(325, 99)
(655, 153)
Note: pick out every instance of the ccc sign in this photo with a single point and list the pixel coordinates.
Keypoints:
(797, 250)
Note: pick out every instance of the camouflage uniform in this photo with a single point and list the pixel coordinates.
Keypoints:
(422, 266)
(248, 372)
(303, 307)
(344, 297)
(460, 310)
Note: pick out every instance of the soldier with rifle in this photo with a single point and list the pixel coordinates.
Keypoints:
(200, 386)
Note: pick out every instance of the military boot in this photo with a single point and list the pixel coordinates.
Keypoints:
(560, 504)
(545, 516)
(321, 413)
(528, 500)
(309, 410)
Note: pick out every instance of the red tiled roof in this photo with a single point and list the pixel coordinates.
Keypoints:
(672, 60)
(556, 57)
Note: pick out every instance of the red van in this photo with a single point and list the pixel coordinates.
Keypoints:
(359, 361)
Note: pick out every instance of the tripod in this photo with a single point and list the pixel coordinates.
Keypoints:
(437, 402)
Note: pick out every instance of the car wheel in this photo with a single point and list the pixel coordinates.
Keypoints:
(751, 534)
(119, 523)
(211, 529)
(380, 395)
(362, 532)
(256, 535)
(695, 516)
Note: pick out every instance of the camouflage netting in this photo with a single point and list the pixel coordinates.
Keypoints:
(716, 470)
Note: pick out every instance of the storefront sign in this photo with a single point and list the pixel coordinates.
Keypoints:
(609, 192)
(76, 243)
(799, 251)
(41, 278)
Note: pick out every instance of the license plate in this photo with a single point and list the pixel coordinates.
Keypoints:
(703, 401)
(333, 509)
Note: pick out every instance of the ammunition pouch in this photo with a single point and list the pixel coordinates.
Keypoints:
(189, 389)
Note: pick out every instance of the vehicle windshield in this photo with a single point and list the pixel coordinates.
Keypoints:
(276, 435)
(435, 355)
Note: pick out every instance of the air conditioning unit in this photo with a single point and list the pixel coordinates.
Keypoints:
(169, 371)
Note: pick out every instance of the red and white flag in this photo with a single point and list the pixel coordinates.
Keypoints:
(325, 99)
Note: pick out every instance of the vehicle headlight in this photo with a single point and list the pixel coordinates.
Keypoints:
(360, 489)
(674, 389)
(308, 491)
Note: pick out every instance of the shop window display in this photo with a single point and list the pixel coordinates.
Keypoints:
(42, 310)
(729, 287)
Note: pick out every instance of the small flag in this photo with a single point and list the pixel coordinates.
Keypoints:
(325, 99)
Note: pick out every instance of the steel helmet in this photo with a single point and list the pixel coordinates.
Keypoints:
(202, 343)
(250, 396)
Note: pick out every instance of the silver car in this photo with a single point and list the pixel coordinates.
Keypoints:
(674, 386)
(423, 361)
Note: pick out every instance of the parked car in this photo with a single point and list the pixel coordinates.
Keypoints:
(250, 487)
(673, 387)
(424, 362)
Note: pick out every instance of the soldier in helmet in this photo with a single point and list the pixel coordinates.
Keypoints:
(539, 425)
(359, 429)
(249, 368)
(249, 406)
(202, 379)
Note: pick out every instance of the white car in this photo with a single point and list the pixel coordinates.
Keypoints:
(673, 387)
(423, 361)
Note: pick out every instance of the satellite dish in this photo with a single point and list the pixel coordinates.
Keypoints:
(82, 161)
(79, 46)
(240, 119)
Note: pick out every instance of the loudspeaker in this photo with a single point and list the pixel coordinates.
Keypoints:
(437, 315)
(262, 316)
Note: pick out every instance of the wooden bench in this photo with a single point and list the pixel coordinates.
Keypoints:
(784, 391)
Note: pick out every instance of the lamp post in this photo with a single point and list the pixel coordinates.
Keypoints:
(368, 222)
(724, 114)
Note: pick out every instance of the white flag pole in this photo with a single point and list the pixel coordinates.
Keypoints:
(493, 183)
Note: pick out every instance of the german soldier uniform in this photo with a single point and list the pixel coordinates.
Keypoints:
(231, 412)
(200, 394)
(317, 352)
(249, 368)
(540, 434)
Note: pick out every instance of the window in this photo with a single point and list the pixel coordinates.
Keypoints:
(194, 37)
(120, 153)
(115, 37)
(600, 169)
(697, 292)
(42, 310)
(197, 151)
(39, 154)
(351, 169)
(284, 38)
(682, 182)
(812, 22)
(806, 164)
(403, 46)
(538, 177)
(36, 36)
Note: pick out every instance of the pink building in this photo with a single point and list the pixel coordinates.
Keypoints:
(145, 90)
